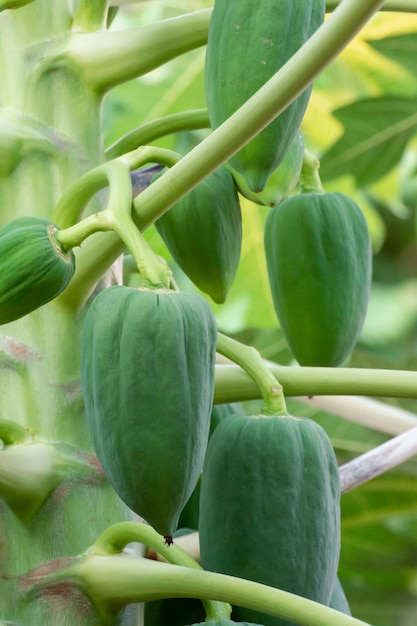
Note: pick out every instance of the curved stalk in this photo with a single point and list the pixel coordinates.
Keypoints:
(112, 582)
(115, 538)
(146, 133)
(107, 59)
(74, 200)
(250, 360)
(116, 217)
(260, 110)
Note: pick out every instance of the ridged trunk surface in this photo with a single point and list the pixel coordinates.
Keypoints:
(69, 503)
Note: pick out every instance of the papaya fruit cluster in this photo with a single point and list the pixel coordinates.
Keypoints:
(267, 508)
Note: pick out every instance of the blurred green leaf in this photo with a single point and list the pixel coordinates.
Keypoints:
(375, 134)
(400, 48)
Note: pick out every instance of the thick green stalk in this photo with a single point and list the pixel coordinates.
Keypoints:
(146, 133)
(117, 537)
(250, 360)
(235, 385)
(107, 59)
(111, 582)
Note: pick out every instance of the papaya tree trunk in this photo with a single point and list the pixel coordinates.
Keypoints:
(54, 499)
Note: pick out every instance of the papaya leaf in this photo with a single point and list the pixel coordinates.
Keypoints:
(399, 48)
(376, 131)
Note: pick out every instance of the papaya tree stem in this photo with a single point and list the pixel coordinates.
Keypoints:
(117, 217)
(107, 59)
(160, 127)
(112, 582)
(112, 174)
(115, 538)
(234, 385)
(250, 360)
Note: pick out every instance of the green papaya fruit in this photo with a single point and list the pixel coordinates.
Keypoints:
(319, 259)
(147, 374)
(34, 268)
(283, 179)
(245, 47)
(270, 507)
(219, 412)
(203, 232)
(190, 513)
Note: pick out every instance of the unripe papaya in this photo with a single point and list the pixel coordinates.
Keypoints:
(147, 372)
(203, 232)
(270, 507)
(245, 47)
(283, 179)
(190, 513)
(34, 268)
(319, 259)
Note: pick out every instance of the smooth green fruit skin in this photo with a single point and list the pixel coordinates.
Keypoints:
(245, 47)
(148, 360)
(34, 269)
(203, 232)
(319, 258)
(283, 179)
(270, 507)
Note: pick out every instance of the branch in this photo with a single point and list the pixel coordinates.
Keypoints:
(374, 414)
(378, 460)
(400, 6)
(234, 385)
(107, 59)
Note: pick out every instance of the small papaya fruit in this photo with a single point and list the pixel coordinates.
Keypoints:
(245, 47)
(203, 232)
(319, 260)
(270, 507)
(147, 374)
(34, 268)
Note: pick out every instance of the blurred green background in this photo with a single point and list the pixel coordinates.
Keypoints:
(362, 124)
